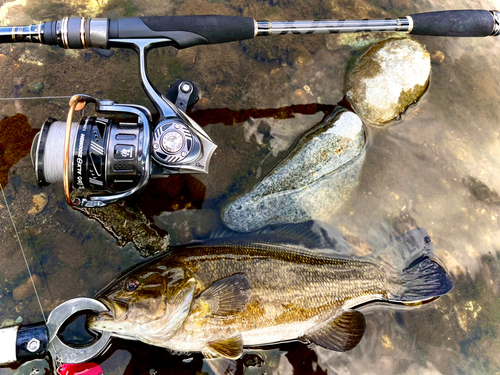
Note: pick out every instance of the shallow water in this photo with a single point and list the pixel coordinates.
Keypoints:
(435, 168)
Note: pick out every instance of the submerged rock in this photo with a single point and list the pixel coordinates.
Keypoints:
(388, 78)
(129, 224)
(311, 183)
(37, 88)
(39, 203)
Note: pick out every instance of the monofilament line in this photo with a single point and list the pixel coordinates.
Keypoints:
(37, 97)
(24, 256)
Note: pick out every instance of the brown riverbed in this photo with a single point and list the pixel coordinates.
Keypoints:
(435, 168)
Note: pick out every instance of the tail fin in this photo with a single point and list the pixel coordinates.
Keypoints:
(415, 275)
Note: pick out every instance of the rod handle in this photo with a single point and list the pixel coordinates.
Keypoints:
(461, 23)
(23, 343)
(185, 31)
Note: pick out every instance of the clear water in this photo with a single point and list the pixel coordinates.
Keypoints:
(435, 168)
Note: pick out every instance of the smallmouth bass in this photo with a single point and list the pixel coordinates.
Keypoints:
(271, 286)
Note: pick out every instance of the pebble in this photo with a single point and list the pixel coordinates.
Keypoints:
(301, 57)
(387, 79)
(25, 290)
(39, 203)
(300, 96)
(437, 57)
(37, 88)
(313, 181)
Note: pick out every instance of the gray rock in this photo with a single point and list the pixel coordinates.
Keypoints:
(311, 183)
(387, 79)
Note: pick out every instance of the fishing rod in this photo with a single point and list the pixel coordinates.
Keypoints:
(114, 157)
(188, 31)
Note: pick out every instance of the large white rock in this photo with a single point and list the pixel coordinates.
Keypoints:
(388, 78)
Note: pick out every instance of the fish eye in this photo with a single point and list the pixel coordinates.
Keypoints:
(132, 285)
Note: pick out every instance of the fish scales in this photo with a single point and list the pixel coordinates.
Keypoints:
(287, 288)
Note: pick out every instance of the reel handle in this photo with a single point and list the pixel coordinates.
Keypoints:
(457, 23)
(23, 343)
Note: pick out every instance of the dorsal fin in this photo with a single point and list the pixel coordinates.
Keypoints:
(227, 296)
(310, 235)
(342, 333)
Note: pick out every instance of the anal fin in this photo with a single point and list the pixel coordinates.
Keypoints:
(227, 296)
(221, 354)
(342, 333)
(230, 347)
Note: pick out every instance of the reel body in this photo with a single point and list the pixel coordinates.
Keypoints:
(115, 157)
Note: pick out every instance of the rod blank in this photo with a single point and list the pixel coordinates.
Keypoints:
(332, 26)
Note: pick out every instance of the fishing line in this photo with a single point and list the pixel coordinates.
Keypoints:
(24, 256)
(38, 97)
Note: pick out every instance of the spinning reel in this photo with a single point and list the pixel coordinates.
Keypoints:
(116, 157)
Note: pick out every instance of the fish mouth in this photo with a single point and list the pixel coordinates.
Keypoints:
(117, 309)
(107, 315)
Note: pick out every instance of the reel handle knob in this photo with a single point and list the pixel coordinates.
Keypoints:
(183, 99)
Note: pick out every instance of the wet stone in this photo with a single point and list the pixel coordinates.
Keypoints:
(438, 57)
(301, 57)
(480, 190)
(129, 224)
(39, 203)
(37, 88)
(26, 290)
(311, 183)
(387, 79)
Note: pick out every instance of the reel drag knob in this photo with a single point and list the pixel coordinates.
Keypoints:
(173, 143)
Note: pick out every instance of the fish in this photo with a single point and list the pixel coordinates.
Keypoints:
(282, 283)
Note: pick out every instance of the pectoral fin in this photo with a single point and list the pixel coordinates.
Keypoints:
(342, 333)
(227, 296)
